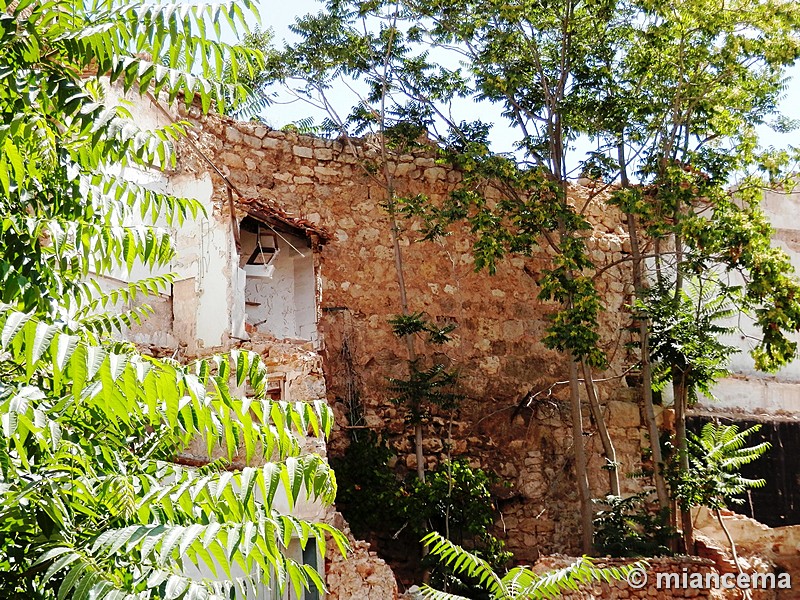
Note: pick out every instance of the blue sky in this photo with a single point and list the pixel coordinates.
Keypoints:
(280, 14)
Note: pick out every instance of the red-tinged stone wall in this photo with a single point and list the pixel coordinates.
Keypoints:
(672, 578)
(500, 322)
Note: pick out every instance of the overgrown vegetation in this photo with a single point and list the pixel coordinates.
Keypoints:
(713, 479)
(628, 527)
(92, 507)
(91, 504)
(670, 92)
(430, 385)
(715, 456)
(369, 492)
(454, 500)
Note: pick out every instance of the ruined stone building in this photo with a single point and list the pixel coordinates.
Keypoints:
(312, 285)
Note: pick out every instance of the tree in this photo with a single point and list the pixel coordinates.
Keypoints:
(91, 504)
(519, 583)
(687, 350)
(408, 96)
(661, 87)
(670, 92)
(713, 478)
(256, 98)
(683, 98)
(363, 44)
(424, 388)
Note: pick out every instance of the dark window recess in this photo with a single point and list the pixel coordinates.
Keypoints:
(778, 502)
(275, 388)
(310, 559)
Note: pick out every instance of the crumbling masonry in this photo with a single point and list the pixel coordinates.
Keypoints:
(320, 315)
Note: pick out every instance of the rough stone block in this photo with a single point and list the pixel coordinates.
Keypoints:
(233, 135)
(272, 143)
(323, 154)
(624, 414)
(303, 151)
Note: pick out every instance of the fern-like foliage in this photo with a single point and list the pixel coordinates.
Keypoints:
(519, 583)
(716, 456)
(92, 505)
(687, 334)
(423, 388)
(86, 487)
(64, 209)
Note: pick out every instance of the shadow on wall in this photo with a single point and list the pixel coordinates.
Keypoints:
(778, 503)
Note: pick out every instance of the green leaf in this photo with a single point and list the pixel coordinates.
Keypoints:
(12, 326)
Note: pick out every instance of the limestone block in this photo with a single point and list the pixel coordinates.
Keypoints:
(435, 174)
(251, 140)
(272, 143)
(233, 135)
(624, 414)
(232, 160)
(403, 169)
(323, 154)
(326, 171)
(513, 330)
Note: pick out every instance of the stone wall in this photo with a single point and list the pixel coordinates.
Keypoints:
(755, 542)
(670, 578)
(500, 322)
(497, 343)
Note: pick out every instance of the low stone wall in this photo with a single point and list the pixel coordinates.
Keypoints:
(362, 575)
(756, 543)
(678, 577)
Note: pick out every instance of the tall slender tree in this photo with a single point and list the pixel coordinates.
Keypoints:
(671, 92)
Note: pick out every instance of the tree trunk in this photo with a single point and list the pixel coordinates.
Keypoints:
(581, 473)
(409, 339)
(745, 593)
(647, 373)
(644, 343)
(418, 451)
(608, 445)
(681, 397)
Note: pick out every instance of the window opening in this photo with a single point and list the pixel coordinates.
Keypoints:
(260, 262)
(280, 286)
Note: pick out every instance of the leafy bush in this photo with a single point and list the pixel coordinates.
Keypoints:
(454, 497)
(628, 527)
(369, 493)
(455, 500)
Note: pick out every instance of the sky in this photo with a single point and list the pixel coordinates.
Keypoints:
(280, 14)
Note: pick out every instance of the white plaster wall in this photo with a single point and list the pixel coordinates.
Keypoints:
(205, 249)
(238, 312)
(283, 305)
(747, 390)
(305, 291)
(275, 312)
